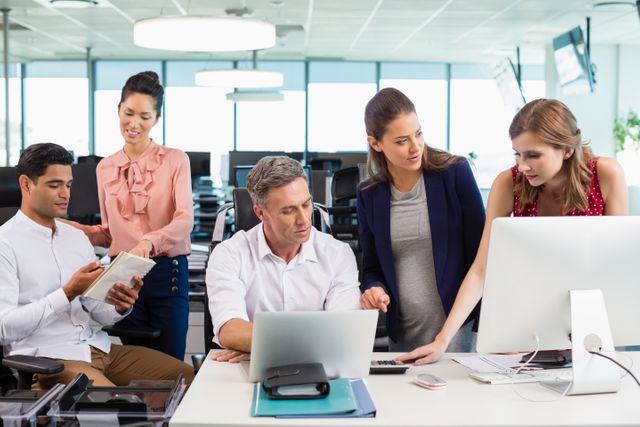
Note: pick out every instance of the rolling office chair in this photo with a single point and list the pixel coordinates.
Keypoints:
(26, 366)
(10, 196)
(84, 206)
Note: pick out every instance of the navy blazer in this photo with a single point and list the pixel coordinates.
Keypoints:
(456, 217)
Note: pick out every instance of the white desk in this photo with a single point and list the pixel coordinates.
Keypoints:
(221, 395)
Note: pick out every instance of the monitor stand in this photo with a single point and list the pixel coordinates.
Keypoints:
(590, 328)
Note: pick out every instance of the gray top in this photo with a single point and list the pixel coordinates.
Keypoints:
(421, 311)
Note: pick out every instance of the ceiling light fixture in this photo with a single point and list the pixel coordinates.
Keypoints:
(239, 78)
(204, 33)
(73, 3)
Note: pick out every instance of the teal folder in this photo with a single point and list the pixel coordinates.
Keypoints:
(366, 407)
(339, 401)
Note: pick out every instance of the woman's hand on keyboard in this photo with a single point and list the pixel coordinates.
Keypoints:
(426, 354)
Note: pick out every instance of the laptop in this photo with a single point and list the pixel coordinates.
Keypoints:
(341, 340)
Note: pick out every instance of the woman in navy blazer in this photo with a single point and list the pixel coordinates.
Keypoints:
(398, 160)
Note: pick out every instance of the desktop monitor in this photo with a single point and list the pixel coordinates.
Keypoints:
(575, 71)
(536, 275)
(244, 159)
(200, 163)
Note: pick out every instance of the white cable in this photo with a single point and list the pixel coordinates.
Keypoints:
(524, 365)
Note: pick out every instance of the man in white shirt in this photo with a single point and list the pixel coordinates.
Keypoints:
(45, 265)
(282, 264)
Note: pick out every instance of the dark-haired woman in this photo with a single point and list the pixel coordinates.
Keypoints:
(147, 210)
(421, 218)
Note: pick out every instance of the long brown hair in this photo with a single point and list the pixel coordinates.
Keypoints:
(382, 109)
(553, 123)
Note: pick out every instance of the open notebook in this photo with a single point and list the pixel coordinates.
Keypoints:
(122, 269)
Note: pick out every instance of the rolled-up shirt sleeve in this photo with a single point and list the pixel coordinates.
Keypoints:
(344, 293)
(225, 288)
(18, 322)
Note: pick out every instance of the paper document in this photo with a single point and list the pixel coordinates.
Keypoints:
(494, 362)
(122, 269)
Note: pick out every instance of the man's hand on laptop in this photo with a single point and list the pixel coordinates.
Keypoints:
(124, 296)
(233, 356)
(375, 298)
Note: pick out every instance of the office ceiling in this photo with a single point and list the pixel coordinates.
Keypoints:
(403, 30)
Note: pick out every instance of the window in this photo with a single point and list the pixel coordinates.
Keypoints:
(480, 121)
(338, 94)
(279, 125)
(15, 104)
(56, 104)
(426, 86)
(197, 118)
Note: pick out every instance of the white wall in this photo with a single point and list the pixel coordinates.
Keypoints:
(628, 79)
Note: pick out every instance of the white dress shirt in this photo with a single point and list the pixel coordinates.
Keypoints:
(36, 318)
(244, 276)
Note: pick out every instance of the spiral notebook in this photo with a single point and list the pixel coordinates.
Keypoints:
(122, 269)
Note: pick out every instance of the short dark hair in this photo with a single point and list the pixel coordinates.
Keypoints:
(36, 158)
(146, 83)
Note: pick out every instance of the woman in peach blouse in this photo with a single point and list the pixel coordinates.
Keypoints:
(147, 210)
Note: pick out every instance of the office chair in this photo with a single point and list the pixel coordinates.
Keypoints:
(10, 195)
(26, 366)
(84, 206)
(343, 212)
(92, 158)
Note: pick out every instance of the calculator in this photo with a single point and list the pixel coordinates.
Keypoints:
(387, 367)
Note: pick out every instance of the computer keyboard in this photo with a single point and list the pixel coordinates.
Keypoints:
(387, 367)
(542, 375)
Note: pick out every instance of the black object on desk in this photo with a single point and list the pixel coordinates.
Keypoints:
(387, 367)
(297, 381)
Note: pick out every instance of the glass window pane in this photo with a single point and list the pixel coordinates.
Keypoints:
(336, 116)
(430, 99)
(63, 121)
(15, 103)
(480, 121)
(338, 93)
(199, 119)
(277, 126)
(480, 125)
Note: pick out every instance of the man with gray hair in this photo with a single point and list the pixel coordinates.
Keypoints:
(282, 264)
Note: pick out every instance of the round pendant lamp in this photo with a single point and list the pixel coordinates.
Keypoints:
(204, 33)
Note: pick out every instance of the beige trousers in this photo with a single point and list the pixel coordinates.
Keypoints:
(118, 367)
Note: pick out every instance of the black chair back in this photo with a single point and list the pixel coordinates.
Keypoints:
(10, 195)
(245, 218)
(344, 184)
(84, 205)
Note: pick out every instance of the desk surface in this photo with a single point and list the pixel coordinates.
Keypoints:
(221, 395)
